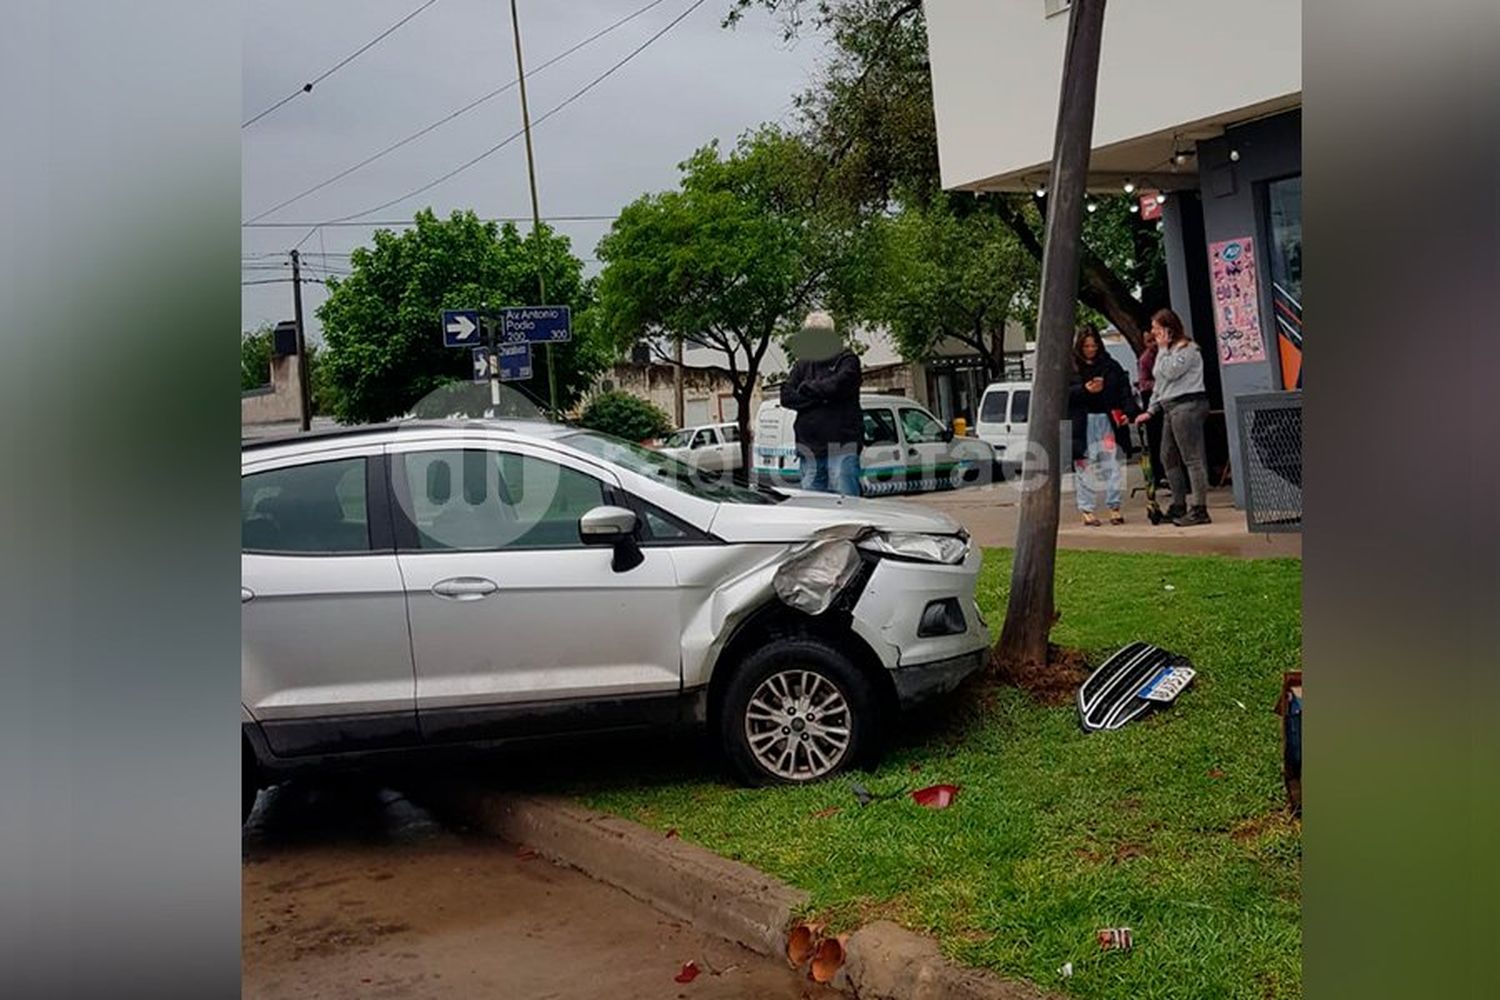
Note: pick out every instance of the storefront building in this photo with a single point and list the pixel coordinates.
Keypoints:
(1198, 118)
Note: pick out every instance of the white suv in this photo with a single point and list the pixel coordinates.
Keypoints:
(420, 586)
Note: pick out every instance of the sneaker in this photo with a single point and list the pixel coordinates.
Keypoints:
(1089, 520)
(1172, 514)
(1198, 515)
(1115, 517)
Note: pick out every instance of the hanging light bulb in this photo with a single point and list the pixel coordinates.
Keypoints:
(1179, 158)
(1161, 198)
(1234, 155)
(1134, 208)
(1093, 206)
(1041, 190)
(1129, 186)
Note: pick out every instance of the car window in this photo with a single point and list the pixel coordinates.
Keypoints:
(731, 433)
(677, 439)
(879, 427)
(318, 507)
(1020, 405)
(667, 470)
(706, 436)
(480, 500)
(992, 407)
(920, 428)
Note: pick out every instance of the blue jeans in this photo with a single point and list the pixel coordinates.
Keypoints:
(1103, 455)
(835, 471)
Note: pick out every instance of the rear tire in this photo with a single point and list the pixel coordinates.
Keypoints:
(797, 710)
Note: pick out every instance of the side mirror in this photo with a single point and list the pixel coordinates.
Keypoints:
(946, 434)
(614, 526)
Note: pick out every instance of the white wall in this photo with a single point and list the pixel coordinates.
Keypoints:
(997, 72)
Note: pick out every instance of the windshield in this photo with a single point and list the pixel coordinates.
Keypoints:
(667, 470)
(677, 439)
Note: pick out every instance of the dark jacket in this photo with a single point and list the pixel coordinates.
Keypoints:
(825, 395)
(1145, 379)
(1115, 396)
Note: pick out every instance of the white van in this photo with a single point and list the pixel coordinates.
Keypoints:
(906, 448)
(708, 447)
(1003, 410)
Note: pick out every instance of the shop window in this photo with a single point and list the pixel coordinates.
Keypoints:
(1284, 208)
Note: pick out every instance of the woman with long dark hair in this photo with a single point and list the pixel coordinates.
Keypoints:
(1098, 396)
(1182, 402)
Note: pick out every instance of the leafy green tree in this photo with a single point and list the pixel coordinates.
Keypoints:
(255, 357)
(384, 347)
(730, 260)
(931, 273)
(625, 416)
(871, 115)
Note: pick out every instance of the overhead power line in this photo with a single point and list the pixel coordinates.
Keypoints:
(371, 223)
(535, 122)
(452, 115)
(306, 88)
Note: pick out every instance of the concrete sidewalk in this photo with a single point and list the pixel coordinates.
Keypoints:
(991, 514)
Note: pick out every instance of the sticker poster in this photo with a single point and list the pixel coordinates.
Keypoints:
(1231, 269)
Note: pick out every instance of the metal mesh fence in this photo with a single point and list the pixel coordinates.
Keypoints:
(1270, 459)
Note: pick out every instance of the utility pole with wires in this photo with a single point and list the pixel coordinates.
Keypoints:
(536, 210)
(302, 366)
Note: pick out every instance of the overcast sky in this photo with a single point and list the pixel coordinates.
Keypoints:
(625, 137)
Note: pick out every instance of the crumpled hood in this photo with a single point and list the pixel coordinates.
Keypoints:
(799, 517)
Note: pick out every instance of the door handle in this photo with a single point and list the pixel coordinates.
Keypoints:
(465, 588)
(911, 453)
(246, 595)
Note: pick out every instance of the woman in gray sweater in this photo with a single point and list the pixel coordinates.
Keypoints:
(1180, 398)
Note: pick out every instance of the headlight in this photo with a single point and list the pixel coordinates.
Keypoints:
(951, 549)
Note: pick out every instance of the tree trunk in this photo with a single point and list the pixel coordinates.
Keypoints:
(1101, 289)
(1029, 613)
(742, 421)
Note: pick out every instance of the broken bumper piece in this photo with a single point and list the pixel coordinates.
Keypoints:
(920, 681)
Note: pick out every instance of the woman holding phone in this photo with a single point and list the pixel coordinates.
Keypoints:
(1180, 399)
(1099, 399)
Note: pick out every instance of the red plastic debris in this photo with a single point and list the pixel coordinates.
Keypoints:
(1115, 938)
(688, 974)
(935, 796)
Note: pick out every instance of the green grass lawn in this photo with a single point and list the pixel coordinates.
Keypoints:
(1174, 826)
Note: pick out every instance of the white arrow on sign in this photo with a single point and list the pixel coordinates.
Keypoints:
(462, 326)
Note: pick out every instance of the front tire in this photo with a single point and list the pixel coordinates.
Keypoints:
(797, 710)
(249, 783)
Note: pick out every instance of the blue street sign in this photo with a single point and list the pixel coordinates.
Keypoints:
(461, 328)
(536, 325)
(515, 363)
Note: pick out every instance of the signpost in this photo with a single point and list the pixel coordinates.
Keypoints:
(518, 328)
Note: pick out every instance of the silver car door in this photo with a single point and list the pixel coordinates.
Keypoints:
(508, 608)
(325, 657)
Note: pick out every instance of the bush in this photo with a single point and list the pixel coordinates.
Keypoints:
(625, 416)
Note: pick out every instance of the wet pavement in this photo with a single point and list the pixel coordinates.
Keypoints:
(991, 514)
(351, 890)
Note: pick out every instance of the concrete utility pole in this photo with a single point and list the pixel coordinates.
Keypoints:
(1029, 613)
(302, 376)
(536, 211)
(677, 409)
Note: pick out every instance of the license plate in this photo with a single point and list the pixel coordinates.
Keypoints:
(1167, 684)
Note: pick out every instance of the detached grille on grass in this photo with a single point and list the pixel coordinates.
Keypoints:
(1270, 459)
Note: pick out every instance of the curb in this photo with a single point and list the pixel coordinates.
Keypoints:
(722, 897)
(883, 961)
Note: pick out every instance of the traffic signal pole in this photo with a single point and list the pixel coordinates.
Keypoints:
(536, 211)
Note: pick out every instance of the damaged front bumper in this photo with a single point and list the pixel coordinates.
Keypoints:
(921, 681)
